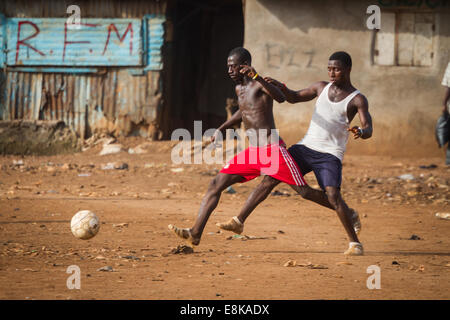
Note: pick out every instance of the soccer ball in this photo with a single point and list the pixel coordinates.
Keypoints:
(84, 224)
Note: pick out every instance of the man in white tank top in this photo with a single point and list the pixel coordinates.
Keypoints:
(323, 147)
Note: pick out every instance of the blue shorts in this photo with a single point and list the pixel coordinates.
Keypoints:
(326, 167)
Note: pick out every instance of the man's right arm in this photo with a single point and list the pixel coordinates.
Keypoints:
(236, 118)
(303, 95)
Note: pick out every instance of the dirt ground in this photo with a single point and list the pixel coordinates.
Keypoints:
(39, 196)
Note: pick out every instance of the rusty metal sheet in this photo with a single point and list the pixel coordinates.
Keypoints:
(114, 102)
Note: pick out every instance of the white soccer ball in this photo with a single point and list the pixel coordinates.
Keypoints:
(84, 224)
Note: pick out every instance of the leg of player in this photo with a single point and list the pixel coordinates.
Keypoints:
(344, 214)
(208, 204)
(258, 195)
(317, 196)
(320, 197)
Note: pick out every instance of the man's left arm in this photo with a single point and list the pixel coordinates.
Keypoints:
(366, 129)
(446, 100)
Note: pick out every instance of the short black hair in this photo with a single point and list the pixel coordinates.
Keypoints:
(242, 54)
(343, 57)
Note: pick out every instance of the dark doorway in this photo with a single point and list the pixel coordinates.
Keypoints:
(197, 84)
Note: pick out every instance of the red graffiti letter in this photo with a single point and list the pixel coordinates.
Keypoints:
(22, 42)
(72, 42)
(112, 27)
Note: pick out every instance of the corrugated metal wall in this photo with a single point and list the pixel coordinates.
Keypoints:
(112, 100)
(89, 8)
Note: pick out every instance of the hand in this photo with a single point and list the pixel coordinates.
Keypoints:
(248, 71)
(274, 82)
(216, 137)
(357, 132)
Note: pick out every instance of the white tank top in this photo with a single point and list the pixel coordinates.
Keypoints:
(327, 131)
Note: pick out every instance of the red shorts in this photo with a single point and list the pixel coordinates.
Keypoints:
(272, 160)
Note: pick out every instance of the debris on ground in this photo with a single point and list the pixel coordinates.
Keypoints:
(309, 265)
(431, 166)
(230, 190)
(182, 249)
(245, 237)
(344, 262)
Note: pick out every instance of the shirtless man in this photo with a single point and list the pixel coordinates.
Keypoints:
(322, 149)
(255, 99)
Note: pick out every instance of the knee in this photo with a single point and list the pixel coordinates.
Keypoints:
(303, 191)
(333, 198)
(215, 186)
(268, 184)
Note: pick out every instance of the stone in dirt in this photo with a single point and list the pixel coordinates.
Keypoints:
(111, 149)
(106, 269)
(406, 177)
(119, 225)
(280, 193)
(290, 263)
(443, 215)
(115, 165)
(130, 257)
(140, 149)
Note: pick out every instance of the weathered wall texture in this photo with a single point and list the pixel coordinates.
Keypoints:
(292, 41)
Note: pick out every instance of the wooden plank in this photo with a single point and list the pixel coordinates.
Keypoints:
(405, 39)
(423, 44)
(385, 41)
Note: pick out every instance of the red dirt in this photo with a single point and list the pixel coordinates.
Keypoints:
(38, 200)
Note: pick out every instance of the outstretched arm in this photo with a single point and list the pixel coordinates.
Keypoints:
(235, 119)
(303, 95)
(366, 129)
(273, 91)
